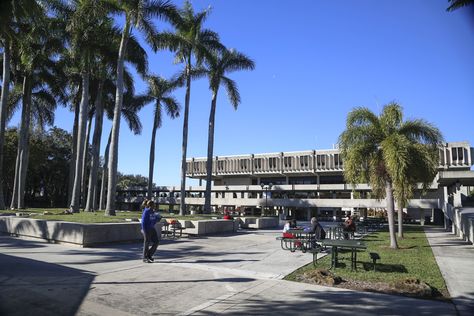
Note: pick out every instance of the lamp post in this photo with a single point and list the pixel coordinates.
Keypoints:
(266, 187)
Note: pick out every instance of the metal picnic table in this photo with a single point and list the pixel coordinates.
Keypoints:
(348, 244)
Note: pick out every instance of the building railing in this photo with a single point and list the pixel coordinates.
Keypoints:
(452, 156)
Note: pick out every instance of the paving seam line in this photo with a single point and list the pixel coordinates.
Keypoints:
(225, 298)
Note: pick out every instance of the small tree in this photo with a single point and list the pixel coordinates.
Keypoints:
(388, 153)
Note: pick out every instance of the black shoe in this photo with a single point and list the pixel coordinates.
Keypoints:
(151, 259)
(147, 260)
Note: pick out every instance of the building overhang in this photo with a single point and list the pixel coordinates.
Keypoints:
(448, 178)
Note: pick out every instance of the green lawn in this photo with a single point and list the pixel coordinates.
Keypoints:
(414, 258)
(57, 214)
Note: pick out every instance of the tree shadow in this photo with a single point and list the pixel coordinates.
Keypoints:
(229, 280)
(313, 302)
(386, 268)
(30, 287)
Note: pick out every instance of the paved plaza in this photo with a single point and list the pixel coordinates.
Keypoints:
(235, 275)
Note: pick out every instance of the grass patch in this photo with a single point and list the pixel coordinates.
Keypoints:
(57, 214)
(413, 260)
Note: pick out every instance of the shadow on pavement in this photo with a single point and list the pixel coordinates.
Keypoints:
(30, 287)
(330, 303)
(232, 280)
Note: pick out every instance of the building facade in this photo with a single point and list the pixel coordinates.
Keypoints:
(308, 183)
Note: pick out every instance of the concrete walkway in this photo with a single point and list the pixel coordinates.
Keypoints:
(233, 275)
(455, 259)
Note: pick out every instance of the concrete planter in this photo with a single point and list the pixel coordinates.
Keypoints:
(259, 222)
(209, 227)
(84, 235)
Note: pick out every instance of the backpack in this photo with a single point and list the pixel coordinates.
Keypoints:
(323, 234)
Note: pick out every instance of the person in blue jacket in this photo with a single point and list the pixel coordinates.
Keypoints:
(149, 219)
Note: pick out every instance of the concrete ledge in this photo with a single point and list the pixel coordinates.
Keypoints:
(463, 223)
(84, 235)
(259, 222)
(209, 227)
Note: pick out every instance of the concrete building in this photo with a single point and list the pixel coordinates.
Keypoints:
(307, 183)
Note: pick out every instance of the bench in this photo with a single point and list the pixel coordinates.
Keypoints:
(374, 256)
(303, 244)
(315, 252)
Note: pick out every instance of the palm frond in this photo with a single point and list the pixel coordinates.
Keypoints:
(456, 4)
(232, 91)
(172, 106)
(421, 131)
(137, 56)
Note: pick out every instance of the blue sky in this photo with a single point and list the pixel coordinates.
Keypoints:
(315, 61)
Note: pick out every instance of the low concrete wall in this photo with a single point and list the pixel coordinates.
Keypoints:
(85, 235)
(259, 222)
(463, 223)
(208, 227)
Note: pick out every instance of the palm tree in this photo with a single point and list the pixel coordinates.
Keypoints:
(219, 65)
(11, 12)
(414, 159)
(138, 13)
(85, 19)
(190, 39)
(377, 150)
(160, 90)
(38, 44)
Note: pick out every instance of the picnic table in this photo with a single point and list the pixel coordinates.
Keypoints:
(172, 228)
(302, 240)
(351, 244)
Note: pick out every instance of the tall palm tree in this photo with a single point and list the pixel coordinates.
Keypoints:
(160, 90)
(190, 39)
(377, 150)
(138, 14)
(103, 74)
(85, 19)
(131, 106)
(11, 12)
(38, 45)
(219, 65)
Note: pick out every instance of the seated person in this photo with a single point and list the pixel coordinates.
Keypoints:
(286, 228)
(293, 223)
(315, 229)
(349, 226)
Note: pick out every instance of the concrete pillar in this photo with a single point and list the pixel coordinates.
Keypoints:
(457, 198)
(422, 217)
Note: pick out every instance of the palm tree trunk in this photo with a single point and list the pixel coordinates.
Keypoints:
(113, 154)
(14, 201)
(24, 169)
(184, 147)
(104, 174)
(76, 192)
(152, 153)
(23, 140)
(210, 151)
(99, 115)
(3, 113)
(390, 209)
(72, 163)
(84, 163)
(400, 220)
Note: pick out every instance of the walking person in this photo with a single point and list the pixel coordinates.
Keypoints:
(149, 219)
